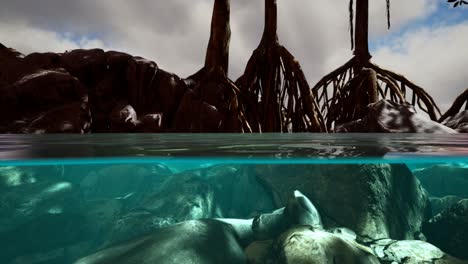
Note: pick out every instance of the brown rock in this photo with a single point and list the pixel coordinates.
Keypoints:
(70, 118)
(39, 92)
(87, 65)
(389, 117)
(151, 123)
(374, 200)
(141, 79)
(123, 118)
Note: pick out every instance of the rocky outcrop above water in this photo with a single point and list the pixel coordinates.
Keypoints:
(82, 91)
(389, 117)
(85, 91)
(459, 122)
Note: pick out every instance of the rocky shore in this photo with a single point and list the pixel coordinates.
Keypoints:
(93, 91)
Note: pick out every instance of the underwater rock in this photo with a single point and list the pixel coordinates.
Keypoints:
(459, 122)
(442, 180)
(11, 176)
(389, 117)
(449, 230)
(196, 242)
(130, 183)
(209, 193)
(23, 203)
(35, 209)
(441, 204)
(374, 200)
(298, 211)
(207, 240)
(308, 245)
(46, 232)
(411, 252)
(134, 224)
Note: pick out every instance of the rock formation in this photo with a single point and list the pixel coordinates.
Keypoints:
(374, 200)
(389, 117)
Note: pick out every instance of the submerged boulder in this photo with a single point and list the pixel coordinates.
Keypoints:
(439, 205)
(374, 200)
(449, 230)
(389, 117)
(129, 182)
(308, 245)
(210, 192)
(411, 252)
(39, 214)
(197, 242)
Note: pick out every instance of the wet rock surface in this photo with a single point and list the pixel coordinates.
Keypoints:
(307, 245)
(389, 117)
(459, 122)
(439, 205)
(410, 252)
(449, 230)
(43, 85)
(204, 102)
(376, 200)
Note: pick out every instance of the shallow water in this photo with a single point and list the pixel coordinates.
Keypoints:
(64, 197)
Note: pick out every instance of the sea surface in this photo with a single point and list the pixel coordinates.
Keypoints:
(63, 197)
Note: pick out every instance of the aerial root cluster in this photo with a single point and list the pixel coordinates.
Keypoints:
(277, 95)
(345, 93)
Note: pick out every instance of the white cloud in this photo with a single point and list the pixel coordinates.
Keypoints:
(28, 39)
(434, 58)
(402, 13)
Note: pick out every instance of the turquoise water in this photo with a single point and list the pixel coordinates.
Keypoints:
(65, 197)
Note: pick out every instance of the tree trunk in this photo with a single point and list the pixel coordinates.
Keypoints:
(361, 37)
(217, 53)
(271, 22)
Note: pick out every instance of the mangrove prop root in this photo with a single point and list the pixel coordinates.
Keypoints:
(211, 101)
(457, 106)
(276, 94)
(343, 95)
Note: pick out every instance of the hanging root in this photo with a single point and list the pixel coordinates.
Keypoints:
(343, 95)
(461, 100)
(277, 94)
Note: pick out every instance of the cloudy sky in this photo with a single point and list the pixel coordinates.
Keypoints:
(428, 41)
